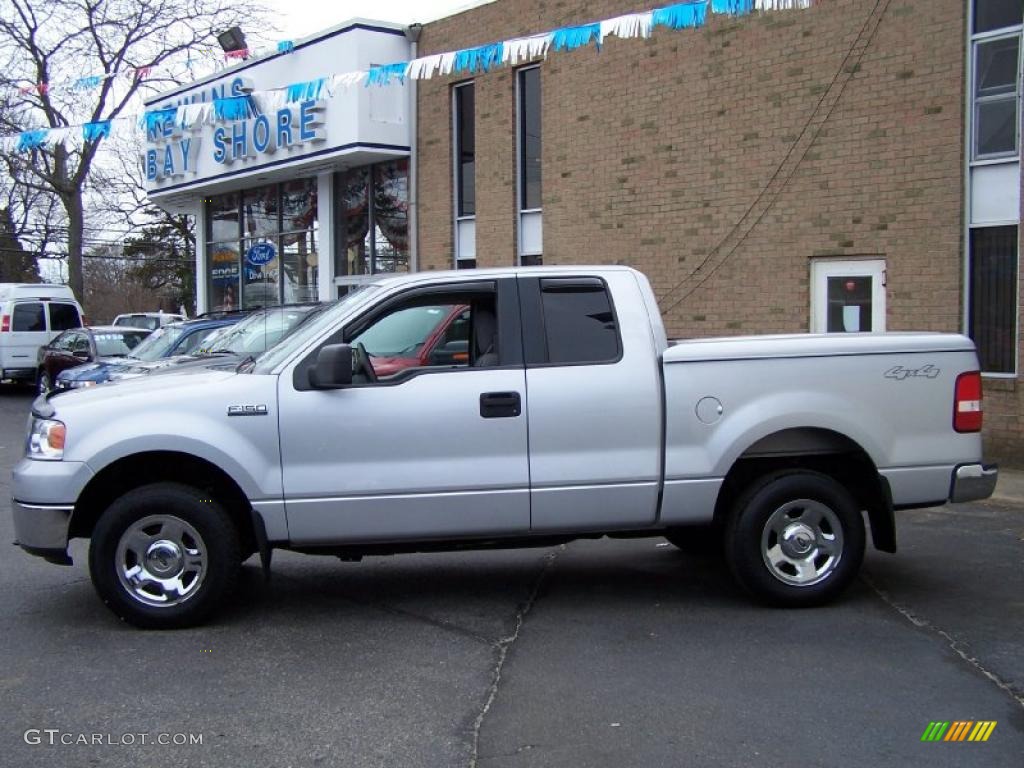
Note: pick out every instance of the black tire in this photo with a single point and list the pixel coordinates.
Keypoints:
(211, 533)
(43, 383)
(697, 540)
(780, 498)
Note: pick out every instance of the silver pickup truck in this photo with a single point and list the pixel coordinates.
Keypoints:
(553, 408)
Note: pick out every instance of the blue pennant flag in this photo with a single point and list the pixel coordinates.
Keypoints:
(96, 131)
(154, 119)
(570, 38)
(382, 75)
(680, 16)
(87, 83)
(305, 91)
(234, 108)
(285, 46)
(29, 140)
(734, 7)
(483, 57)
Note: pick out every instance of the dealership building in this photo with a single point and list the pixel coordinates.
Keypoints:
(850, 166)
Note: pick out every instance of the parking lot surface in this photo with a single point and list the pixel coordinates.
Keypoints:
(598, 653)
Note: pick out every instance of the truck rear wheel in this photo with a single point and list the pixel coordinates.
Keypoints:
(795, 538)
(164, 556)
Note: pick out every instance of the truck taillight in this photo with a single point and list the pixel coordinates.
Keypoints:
(967, 412)
(5, 324)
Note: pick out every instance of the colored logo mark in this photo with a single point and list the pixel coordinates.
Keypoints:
(959, 730)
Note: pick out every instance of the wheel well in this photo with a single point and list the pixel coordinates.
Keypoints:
(817, 450)
(131, 472)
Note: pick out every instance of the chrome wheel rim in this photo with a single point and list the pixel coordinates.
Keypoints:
(161, 561)
(802, 543)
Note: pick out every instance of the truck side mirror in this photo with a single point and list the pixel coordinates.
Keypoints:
(333, 369)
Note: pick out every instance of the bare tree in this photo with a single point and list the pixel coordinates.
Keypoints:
(43, 44)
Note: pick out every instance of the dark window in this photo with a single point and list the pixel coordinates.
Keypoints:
(995, 94)
(529, 139)
(62, 343)
(28, 317)
(993, 297)
(465, 149)
(996, 14)
(579, 322)
(64, 316)
(849, 304)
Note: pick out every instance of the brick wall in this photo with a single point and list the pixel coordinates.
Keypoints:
(721, 161)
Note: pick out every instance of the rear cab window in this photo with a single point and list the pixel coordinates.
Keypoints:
(580, 327)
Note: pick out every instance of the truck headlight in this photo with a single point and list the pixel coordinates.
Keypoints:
(46, 440)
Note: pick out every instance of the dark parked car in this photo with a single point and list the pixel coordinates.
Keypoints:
(162, 346)
(83, 345)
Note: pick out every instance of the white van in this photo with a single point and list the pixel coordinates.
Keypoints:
(31, 315)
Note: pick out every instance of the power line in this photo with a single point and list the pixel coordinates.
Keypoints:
(761, 195)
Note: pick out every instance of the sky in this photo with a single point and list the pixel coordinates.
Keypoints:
(299, 19)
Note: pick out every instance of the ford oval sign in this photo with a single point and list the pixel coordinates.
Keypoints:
(261, 254)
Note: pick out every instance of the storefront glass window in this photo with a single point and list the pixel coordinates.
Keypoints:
(300, 260)
(259, 212)
(391, 216)
(259, 255)
(223, 218)
(374, 219)
(224, 268)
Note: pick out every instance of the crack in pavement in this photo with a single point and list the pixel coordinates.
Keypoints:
(502, 647)
(955, 645)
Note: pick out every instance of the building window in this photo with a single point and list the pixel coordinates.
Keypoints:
(261, 246)
(996, 82)
(372, 221)
(993, 297)
(464, 154)
(528, 165)
(996, 14)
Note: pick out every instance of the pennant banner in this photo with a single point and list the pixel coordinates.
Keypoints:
(483, 58)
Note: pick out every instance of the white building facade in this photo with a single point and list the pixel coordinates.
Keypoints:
(297, 202)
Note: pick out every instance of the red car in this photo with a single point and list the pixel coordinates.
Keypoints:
(84, 345)
(418, 336)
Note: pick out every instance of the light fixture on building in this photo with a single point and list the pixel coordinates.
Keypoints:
(413, 32)
(232, 40)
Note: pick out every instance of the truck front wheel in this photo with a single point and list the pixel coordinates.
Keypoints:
(795, 538)
(164, 556)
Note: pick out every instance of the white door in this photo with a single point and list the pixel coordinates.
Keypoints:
(418, 451)
(848, 296)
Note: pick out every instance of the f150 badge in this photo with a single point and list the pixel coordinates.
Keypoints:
(902, 374)
(247, 410)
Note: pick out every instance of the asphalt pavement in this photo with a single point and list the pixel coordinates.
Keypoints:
(598, 653)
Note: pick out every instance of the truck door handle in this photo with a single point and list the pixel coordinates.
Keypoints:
(500, 405)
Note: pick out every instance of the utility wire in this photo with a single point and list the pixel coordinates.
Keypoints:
(884, 4)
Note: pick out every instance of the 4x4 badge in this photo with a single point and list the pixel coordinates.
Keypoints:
(247, 410)
(902, 374)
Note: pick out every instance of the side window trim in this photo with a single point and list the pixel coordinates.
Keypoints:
(535, 344)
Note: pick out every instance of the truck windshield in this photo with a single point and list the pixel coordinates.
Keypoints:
(311, 329)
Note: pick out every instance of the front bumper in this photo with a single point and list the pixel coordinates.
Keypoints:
(972, 482)
(42, 530)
